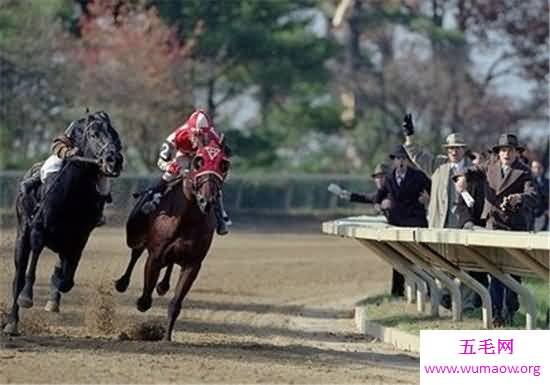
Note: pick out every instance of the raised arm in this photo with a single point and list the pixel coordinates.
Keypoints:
(422, 159)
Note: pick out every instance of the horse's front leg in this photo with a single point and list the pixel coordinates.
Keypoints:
(55, 296)
(187, 276)
(164, 285)
(62, 278)
(123, 282)
(69, 263)
(25, 298)
(21, 257)
(151, 276)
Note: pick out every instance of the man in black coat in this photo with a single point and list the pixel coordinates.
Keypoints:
(379, 176)
(541, 209)
(401, 197)
(469, 205)
(402, 193)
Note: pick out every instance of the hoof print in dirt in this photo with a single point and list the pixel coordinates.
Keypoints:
(146, 331)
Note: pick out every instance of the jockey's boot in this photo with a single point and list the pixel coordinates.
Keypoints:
(30, 183)
(222, 219)
(225, 216)
(221, 226)
(154, 195)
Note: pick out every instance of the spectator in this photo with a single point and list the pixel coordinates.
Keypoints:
(442, 210)
(541, 210)
(441, 214)
(509, 195)
(469, 205)
(400, 198)
(401, 193)
(379, 176)
(521, 155)
(478, 157)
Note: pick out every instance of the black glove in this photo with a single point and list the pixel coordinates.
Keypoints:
(408, 128)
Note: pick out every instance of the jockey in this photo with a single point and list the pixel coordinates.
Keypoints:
(175, 158)
(64, 147)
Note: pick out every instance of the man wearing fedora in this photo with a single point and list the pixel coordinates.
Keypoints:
(441, 167)
(400, 197)
(401, 194)
(443, 209)
(509, 187)
(379, 176)
(510, 195)
(540, 214)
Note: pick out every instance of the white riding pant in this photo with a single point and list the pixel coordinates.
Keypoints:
(51, 166)
(54, 163)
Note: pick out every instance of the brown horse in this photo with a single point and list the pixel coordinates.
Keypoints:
(179, 232)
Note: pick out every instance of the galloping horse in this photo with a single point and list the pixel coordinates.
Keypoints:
(61, 214)
(179, 232)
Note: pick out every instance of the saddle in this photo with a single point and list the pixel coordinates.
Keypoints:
(169, 186)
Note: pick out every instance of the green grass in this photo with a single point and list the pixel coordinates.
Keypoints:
(392, 312)
(541, 290)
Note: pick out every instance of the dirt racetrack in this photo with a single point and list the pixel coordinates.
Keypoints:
(267, 307)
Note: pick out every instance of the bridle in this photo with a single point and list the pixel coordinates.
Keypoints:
(98, 156)
(199, 180)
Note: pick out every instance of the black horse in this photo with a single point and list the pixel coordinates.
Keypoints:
(62, 213)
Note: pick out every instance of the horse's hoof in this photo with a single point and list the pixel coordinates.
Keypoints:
(144, 304)
(11, 329)
(121, 285)
(24, 301)
(66, 286)
(52, 306)
(162, 288)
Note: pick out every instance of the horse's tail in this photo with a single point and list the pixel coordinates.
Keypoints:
(137, 225)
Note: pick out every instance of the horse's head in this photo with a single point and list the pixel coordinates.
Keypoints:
(101, 142)
(209, 168)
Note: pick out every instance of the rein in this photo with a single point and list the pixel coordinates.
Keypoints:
(196, 186)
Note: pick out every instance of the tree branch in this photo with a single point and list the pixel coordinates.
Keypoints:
(231, 92)
(492, 72)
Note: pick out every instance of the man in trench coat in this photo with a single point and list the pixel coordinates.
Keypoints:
(510, 195)
(443, 209)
